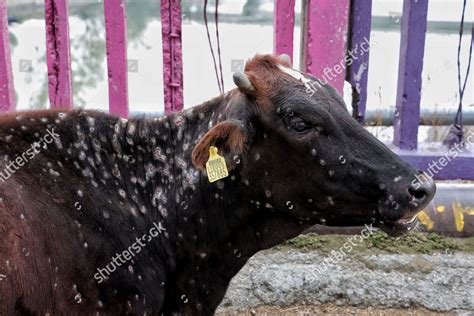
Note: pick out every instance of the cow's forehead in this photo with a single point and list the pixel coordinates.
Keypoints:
(270, 75)
(297, 75)
(314, 86)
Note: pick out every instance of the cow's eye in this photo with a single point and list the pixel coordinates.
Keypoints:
(298, 125)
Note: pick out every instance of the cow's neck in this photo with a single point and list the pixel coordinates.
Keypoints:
(212, 229)
(217, 226)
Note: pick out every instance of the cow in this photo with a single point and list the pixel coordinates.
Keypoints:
(111, 216)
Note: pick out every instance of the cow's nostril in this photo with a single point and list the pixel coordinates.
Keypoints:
(423, 190)
(417, 194)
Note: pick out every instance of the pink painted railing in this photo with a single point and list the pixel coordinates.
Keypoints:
(7, 91)
(325, 40)
(284, 24)
(117, 62)
(59, 56)
(172, 55)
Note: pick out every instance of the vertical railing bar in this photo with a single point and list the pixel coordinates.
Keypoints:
(358, 66)
(283, 27)
(325, 43)
(7, 90)
(117, 63)
(412, 46)
(166, 46)
(177, 56)
(303, 34)
(58, 54)
(172, 55)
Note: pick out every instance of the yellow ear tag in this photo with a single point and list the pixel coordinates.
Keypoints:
(215, 166)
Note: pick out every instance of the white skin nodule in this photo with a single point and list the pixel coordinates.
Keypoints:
(297, 75)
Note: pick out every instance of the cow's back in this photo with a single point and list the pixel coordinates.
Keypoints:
(62, 217)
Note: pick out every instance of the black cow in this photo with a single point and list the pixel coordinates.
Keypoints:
(101, 215)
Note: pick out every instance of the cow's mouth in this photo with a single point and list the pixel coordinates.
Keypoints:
(399, 227)
(392, 228)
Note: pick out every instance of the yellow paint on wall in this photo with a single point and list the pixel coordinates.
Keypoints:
(425, 220)
(440, 208)
(458, 212)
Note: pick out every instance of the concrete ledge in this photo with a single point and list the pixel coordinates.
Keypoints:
(438, 282)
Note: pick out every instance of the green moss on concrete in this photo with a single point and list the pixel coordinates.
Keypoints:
(381, 242)
(412, 243)
(307, 242)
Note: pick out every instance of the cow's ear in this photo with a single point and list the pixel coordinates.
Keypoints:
(229, 137)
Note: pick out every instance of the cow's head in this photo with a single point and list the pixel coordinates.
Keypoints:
(298, 151)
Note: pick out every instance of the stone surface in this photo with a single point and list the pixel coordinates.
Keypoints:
(439, 282)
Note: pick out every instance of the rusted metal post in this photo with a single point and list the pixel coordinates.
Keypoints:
(58, 54)
(324, 41)
(172, 55)
(412, 47)
(117, 63)
(7, 91)
(358, 56)
(283, 27)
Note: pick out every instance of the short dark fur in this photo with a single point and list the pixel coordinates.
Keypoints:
(67, 211)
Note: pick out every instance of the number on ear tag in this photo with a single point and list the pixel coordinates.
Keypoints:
(215, 166)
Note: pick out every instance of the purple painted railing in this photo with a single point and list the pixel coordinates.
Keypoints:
(358, 68)
(412, 47)
(7, 91)
(58, 54)
(332, 32)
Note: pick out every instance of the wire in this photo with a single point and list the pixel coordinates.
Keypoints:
(221, 80)
(455, 134)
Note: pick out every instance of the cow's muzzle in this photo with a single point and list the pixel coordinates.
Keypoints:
(400, 217)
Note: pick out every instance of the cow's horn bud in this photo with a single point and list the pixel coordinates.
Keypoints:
(242, 81)
(286, 58)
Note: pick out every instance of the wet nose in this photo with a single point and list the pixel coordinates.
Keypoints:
(422, 190)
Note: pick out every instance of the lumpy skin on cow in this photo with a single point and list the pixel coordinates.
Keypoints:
(295, 159)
